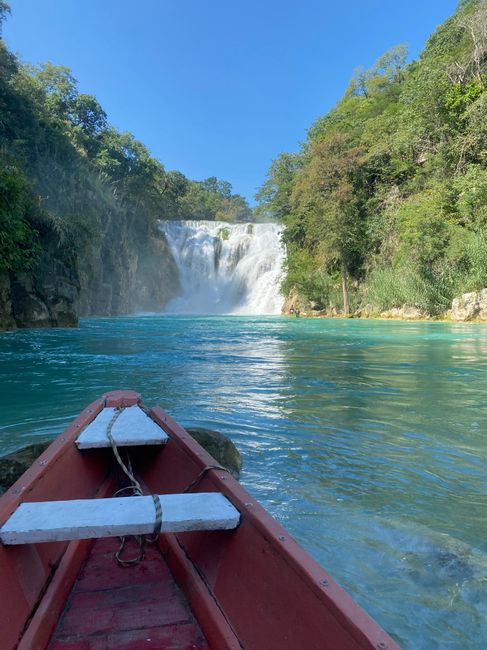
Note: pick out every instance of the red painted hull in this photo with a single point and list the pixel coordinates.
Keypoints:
(253, 587)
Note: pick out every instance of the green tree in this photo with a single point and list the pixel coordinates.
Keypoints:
(17, 237)
(275, 194)
(326, 193)
(389, 189)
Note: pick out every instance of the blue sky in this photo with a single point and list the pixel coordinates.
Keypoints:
(217, 87)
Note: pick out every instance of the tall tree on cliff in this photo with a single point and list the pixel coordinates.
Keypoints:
(274, 196)
(326, 197)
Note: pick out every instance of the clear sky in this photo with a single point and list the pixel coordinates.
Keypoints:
(217, 87)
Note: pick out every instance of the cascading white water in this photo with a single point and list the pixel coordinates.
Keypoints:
(226, 268)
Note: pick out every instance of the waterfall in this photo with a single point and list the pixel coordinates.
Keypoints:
(226, 268)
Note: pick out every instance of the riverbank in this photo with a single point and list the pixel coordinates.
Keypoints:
(470, 307)
(385, 316)
(388, 316)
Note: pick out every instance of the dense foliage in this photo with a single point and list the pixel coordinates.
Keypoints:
(63, 168)
(385, 204)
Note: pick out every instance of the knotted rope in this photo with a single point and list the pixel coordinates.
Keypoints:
(136, 490)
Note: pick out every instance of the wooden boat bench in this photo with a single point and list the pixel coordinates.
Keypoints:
(132, 428)
(54, 521)
(50, 521)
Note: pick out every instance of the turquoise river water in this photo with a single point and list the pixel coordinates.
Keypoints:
(366, 439)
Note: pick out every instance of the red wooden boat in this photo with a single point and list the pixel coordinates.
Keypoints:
(251, 586)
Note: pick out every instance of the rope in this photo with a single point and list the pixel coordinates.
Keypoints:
(136, 490)
(125, 562)
(203, 472)
(134, 483)
(158, 507)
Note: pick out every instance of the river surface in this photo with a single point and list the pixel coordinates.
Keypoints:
(366, 439)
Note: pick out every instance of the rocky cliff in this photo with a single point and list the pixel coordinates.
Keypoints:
(115, 274)
(121, 273)
(45, 296)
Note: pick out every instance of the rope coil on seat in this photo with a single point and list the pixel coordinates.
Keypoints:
(136, 489)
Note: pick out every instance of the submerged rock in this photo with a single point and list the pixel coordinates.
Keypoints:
(220, 447)
(470, 306)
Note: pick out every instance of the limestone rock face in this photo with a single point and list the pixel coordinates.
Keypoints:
(119, 275)
(220, 447)
(7, 321)
(470, 306)
(365, 311)
(115, 274)
(46, 296)
(294, 300)
(405, 313)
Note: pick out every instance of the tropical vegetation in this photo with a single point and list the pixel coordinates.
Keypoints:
(64, 168)
(385, 204)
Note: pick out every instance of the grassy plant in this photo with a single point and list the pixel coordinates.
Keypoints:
(224, 234)
(397, 287)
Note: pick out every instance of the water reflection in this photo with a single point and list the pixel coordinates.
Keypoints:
(367, 439)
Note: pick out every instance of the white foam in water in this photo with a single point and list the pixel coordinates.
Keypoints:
(226, 268)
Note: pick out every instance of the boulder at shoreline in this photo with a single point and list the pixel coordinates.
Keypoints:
(470, 306)
(220, 447)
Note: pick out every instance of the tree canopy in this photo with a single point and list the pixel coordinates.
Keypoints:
(63, 168)
(384, 204)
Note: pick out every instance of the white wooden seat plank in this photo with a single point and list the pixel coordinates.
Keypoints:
(49, 521)
(132, 427)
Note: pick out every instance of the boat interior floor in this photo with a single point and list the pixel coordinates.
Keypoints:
(126, 608)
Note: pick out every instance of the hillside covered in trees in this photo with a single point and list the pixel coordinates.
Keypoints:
(385, 205)
(79, 204)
